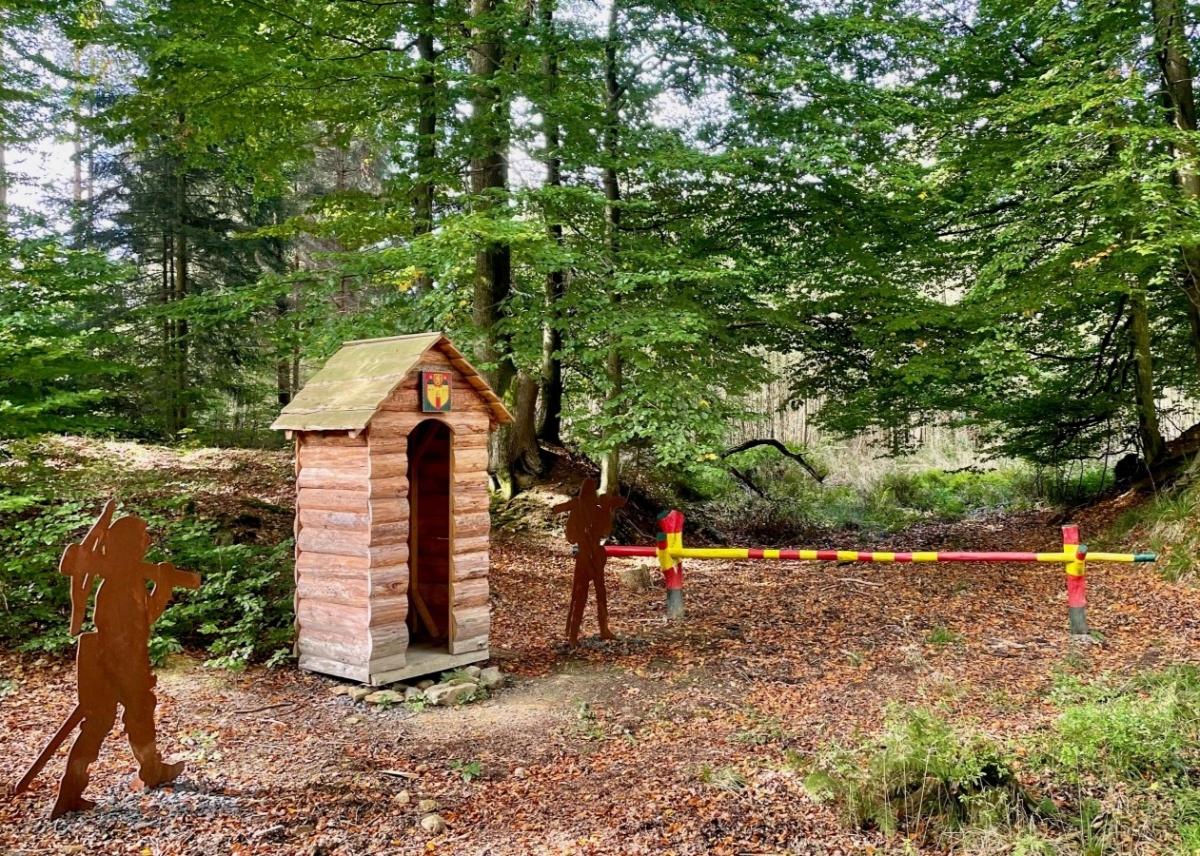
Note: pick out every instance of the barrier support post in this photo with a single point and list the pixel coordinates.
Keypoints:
(671, 538)
(1076, 581)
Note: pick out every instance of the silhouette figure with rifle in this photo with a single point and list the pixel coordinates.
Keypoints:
(589, 523)
(113, 661)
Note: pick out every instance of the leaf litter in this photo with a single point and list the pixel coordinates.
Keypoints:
(676, 738)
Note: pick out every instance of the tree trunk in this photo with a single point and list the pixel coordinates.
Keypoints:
(524, 453)
(1147, 409)
(426, 131)
(493, 265)
(1172, 46)
(182, 415)
(550, 410)
(610, 463)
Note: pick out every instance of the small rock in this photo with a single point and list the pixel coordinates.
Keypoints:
(357, 694)
(384, 697)
(472, 671)
(462, 679)
(490, 678)
(404, 798)
(425, 684)
(413, 694)
(427, 806)
(342, 689)
(352, 720)
(520, 772)
(447, 695)
(433, 824)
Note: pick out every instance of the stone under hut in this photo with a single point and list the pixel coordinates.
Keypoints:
(392, 510)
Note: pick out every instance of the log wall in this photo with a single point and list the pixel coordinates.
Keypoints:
(333, 554)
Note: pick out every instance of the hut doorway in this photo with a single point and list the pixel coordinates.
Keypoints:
(429, 548)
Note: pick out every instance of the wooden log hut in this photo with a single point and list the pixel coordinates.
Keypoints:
(392, 522)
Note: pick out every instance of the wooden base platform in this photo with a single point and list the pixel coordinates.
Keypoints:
(421, 660)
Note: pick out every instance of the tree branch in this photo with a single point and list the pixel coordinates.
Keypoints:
(779, 447)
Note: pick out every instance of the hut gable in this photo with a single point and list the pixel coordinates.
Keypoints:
(357, 381)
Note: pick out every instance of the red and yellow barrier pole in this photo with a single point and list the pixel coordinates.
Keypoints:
(670, 553)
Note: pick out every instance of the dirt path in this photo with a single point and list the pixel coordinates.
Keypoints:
(679, 739)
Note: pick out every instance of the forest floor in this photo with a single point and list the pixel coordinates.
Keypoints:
(679, 738)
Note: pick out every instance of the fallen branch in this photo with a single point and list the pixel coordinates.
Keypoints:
(779, 447)
(747, 481)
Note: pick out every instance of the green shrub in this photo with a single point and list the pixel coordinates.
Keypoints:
(242, 611)
(1147, 729)
(921, 775)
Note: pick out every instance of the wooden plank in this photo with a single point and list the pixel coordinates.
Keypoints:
(474, 500)
(385, 636)
(469, 645)
(469, 594)
(464, 441)
(386, 611)
(388, 555)
(353, 620)
(465, 523)
(329, 478)
(385, 465)
(333, 500)
(389, 533)
(344, 590)
(471, 622)
(389, 581)
(326, 666)
(338, 439)
(482, 531)
(422, 661)
(331, 519)
(471, 461)
(338, 542)
(401, 400)
(353, 457)
(388, 659)
(471, 566)
(389, 509)
(470, 545)
(394, 488)
(353, 653)
(332, 564)
(475, 480)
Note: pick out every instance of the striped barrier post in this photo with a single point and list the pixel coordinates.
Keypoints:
(670, 538)
(1076, 570)
(1074, 556)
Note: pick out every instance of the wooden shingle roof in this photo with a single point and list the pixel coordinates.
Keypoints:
(347, 392)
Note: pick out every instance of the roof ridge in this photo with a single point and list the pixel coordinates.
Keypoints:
(393, 338)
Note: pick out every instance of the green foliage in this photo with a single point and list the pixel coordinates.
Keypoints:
(941, 635)
(242, 611)
(1118, 764)
(53, 337)
(884, 499)
(34, 597)
(1169, 524)
(468, 770)
(921, 775)
(1144, 730)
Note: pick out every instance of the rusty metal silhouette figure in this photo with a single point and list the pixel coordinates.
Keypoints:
(589, 522)
(113, 661)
